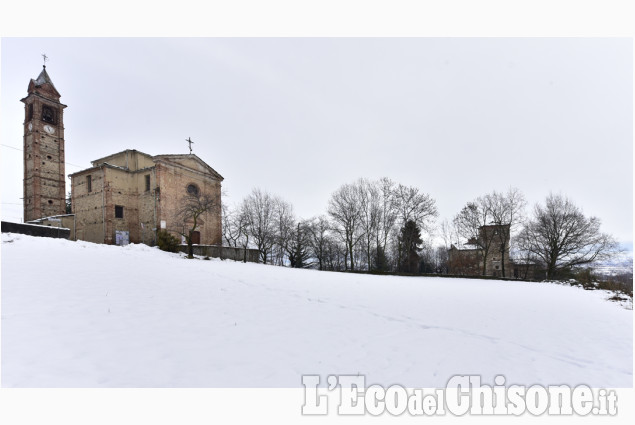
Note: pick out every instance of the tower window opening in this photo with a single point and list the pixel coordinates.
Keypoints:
(48, 114)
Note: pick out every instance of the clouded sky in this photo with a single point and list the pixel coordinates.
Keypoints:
(456, 117)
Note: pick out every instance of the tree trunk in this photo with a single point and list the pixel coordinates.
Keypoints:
(351, 254)
(190, 248)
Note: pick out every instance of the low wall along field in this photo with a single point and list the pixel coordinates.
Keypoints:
(36, 230)
(224, 252)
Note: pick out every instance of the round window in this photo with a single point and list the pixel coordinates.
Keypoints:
(192, 189)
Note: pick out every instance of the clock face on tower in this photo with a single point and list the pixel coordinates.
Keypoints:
(49, 129)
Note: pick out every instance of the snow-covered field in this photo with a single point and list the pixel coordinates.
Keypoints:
(76, 314)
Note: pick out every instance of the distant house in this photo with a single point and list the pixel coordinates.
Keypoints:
(489, 251)
(127, 196)
(465, 259)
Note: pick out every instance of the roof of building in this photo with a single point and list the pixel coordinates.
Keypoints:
(493, 225)
(44, 78)
(465, 247)
(176, 157)
(169, 158)
(102, 160)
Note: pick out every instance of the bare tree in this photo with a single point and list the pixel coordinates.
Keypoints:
(415, 206)
(259, 212)
(562, 237)
(192, 206)
(335, 258)
(388, 212)
(319, 239)
(344, 209)
(449, 233)
(285, 225)
(370, 213)
(233, 227)
(441, 260)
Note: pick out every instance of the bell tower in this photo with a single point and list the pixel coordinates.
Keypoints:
(44, 183)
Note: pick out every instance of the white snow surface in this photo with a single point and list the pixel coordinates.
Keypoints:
(77, 314)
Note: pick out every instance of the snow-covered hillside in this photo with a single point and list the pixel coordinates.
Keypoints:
(84, 315)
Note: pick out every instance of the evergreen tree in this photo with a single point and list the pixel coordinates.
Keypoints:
(380, 262)
(409, 246)
(298, 247)
(69, 207)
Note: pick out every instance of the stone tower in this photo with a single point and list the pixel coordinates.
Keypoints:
(44, 183)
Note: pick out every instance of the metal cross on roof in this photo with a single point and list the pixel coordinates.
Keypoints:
(188, 140)
(45, 59)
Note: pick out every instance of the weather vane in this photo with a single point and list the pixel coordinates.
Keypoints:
(188, 140)
(45, 59)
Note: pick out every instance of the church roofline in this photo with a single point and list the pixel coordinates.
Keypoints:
(107, 165)
(101, 160)
(95, 167)
(164, 158)
(169, 157)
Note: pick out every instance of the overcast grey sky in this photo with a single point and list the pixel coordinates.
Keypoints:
(456, 117)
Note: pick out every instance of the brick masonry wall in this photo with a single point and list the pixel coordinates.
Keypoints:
(88, 206)
(173, 182)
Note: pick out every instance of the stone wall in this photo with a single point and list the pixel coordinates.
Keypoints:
(36, 230)
(493, 236)
(66, 221)
(88, 206)
(224, 252)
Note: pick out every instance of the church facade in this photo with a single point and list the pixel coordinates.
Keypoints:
(128, 196)
(125, 197)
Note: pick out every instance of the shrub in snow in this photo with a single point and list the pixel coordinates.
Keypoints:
(167, 242)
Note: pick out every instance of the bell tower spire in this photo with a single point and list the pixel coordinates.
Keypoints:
(44, 182)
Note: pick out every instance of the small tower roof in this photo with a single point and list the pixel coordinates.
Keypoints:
(43, 78)
(43, 86)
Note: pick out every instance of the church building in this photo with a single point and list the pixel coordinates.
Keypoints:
(127, 196)
(124, 197)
